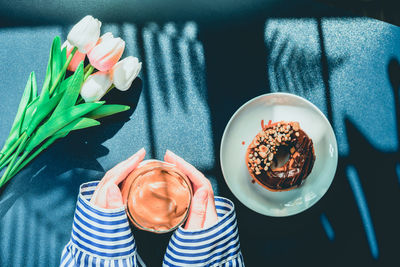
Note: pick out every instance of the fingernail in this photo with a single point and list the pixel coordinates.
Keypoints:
(169, 155)
(135, 158)
(137, 153)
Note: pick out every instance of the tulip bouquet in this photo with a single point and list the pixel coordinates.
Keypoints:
(68, 103)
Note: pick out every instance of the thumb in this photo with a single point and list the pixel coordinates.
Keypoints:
(198, 210)
(114, 197)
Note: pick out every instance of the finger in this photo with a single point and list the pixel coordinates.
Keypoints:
(198, 209)
(211, 213)
(99, 198)
(196, 177)
(120, 172)
(117, 174)
(114, 197)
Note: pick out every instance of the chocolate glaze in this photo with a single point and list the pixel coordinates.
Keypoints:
(295, 170)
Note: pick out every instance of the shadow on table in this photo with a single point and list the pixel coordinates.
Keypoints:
(56, 174)
(352, 218)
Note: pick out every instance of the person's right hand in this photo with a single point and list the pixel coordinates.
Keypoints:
(202, 213)
(107, 194)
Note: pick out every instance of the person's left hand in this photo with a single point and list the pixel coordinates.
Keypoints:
(202, 212)
(107, 194)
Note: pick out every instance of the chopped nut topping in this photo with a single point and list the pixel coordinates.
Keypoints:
(268, 142)
(296, 126)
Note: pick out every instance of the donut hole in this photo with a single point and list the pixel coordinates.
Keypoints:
(281, 157)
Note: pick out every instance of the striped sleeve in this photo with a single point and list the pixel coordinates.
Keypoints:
(100, 237)
(217, 245)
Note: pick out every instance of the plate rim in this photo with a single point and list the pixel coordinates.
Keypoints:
(235, 114)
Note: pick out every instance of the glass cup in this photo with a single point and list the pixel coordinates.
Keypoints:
(157, 196)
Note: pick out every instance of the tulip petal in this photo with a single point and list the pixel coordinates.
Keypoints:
(124, 72)
(95, 86)
(106, 53)
(85, 33)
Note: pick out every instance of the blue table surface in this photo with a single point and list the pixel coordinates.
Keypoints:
(194, 77)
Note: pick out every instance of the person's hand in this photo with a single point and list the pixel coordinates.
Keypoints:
(202, 213)
(107, 194)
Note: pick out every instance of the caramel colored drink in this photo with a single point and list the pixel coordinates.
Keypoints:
(157, 196)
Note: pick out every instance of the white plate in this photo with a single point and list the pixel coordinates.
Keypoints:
(246, 123)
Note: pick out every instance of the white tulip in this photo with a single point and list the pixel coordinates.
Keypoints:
(95, 86)
(85, 33)
(125, 71)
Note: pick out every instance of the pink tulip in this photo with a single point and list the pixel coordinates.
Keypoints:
(107, 52)
(78, 57)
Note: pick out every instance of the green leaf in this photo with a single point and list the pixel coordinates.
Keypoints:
(77, 124)
(34, 91)
(64, 85)
(58, 122)
(63, 56)
(32, 107)
(44, 107)
(29, 113)
(18, 121)
(106, 110)
(72, 89)
(56, 59)
(53, 66)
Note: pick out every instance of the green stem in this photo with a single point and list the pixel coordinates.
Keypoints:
(3, 150)
(5, 163)
(91, 68)
(10, 150)
(86, 68)
(109, 89)
(17, 165)
(62, 72)
(80, 100)
(4, 179)
(31, 157)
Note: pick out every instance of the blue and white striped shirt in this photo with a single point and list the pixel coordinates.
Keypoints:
(102, 237)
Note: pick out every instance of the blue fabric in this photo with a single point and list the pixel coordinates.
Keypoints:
(103, 237)
(99, 236)
(217, 245)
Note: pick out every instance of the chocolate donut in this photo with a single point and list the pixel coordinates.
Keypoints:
(275, 139)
